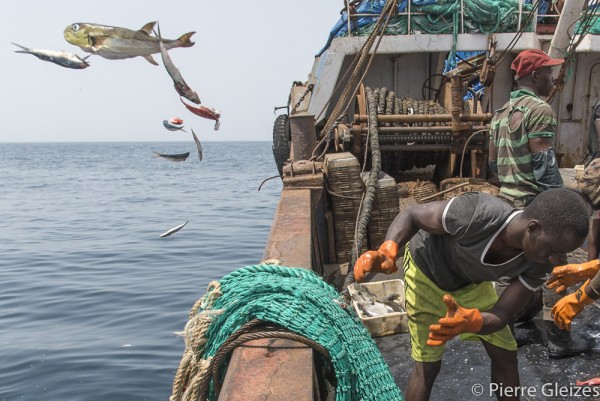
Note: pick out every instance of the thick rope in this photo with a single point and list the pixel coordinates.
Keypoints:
(371, 190)
(356, 77)
(191, 368)
(301, 302)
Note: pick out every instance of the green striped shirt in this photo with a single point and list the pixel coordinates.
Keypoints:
(515, 166)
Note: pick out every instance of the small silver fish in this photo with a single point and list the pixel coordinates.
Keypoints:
(173, 230)
(64, 59)
(371, 305)
(171, 126)
(198, 145)
(177, 157)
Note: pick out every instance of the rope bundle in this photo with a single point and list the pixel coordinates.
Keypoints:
(300, 301)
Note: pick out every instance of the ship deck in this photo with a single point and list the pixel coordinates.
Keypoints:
(466, 367)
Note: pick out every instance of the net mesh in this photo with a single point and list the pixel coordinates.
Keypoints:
(300, 301)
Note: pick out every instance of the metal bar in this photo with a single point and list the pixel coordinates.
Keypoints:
(535, 19)
(408, 19)
(348, 16)
(520, 14)
(416, 130)
(414, 148)
(378, 15)
(462, 16)
(435, 195)
(422, 118)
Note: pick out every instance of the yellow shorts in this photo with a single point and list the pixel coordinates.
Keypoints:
(425, 307)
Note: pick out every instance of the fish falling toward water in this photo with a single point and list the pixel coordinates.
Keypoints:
(198, 145)
(173, 126)
(206, 112)
(173, 230)
(180, 85)
(64, 59)
(116, 43)
(177, 157)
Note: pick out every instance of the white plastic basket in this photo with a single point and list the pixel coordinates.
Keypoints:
(390, 323)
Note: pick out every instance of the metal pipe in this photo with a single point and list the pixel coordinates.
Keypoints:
(462, 16)
(416, 130)
(348, 17)
(414, 148)
(408, 18)
(564, 28)
(520, 14)
(423, 118)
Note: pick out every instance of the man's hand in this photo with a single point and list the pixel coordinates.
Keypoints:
(565, 310)
(457, 320)
(563, 277)
(381, 261)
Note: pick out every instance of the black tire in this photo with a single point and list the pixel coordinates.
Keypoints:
(281, 141)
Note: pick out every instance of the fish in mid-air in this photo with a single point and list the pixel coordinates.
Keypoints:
(64, 59)
(180, 85)
(176, 157)
(198, 145)
(173, 230)
(206, 112)
(174, 124)
(117, 43)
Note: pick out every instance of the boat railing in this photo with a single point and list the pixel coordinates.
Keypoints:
(547, 27)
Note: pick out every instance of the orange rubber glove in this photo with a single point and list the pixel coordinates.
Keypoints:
(567, 275)
(458, 320)
(565, 310)
(381, 261)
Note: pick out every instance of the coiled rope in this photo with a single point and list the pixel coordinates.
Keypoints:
(293, 298)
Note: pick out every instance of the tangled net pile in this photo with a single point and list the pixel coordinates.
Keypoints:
(443, 16)
(298, 300)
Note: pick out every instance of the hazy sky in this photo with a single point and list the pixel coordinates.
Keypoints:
(247, 54)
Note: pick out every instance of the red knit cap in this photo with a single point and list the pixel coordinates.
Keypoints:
(530, 60)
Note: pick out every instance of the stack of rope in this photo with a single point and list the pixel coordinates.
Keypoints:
(298, 300)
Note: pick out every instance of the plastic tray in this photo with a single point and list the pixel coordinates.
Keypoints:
(390, 323)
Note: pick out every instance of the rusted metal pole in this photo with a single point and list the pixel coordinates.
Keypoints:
(415, 148)
(424, 118)
(413, 130)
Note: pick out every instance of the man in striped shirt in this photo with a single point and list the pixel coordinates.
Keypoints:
(521, 153)
(523, 130)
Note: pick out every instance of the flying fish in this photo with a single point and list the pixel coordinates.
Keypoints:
(64, 59)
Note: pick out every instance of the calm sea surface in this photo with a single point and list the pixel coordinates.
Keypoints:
(90, 296)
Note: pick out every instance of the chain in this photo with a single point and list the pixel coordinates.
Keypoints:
(308, 90)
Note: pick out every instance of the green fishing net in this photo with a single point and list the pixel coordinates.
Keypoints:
(300, 301)
(479, 16)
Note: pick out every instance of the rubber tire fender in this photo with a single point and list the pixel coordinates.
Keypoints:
(281, 141)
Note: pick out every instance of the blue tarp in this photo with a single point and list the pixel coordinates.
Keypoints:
(365, 7)
(376, 6)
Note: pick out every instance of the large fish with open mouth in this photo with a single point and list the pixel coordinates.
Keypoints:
(64, 59)
(117, 43)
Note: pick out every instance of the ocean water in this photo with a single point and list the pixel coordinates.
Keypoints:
(90, 296)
